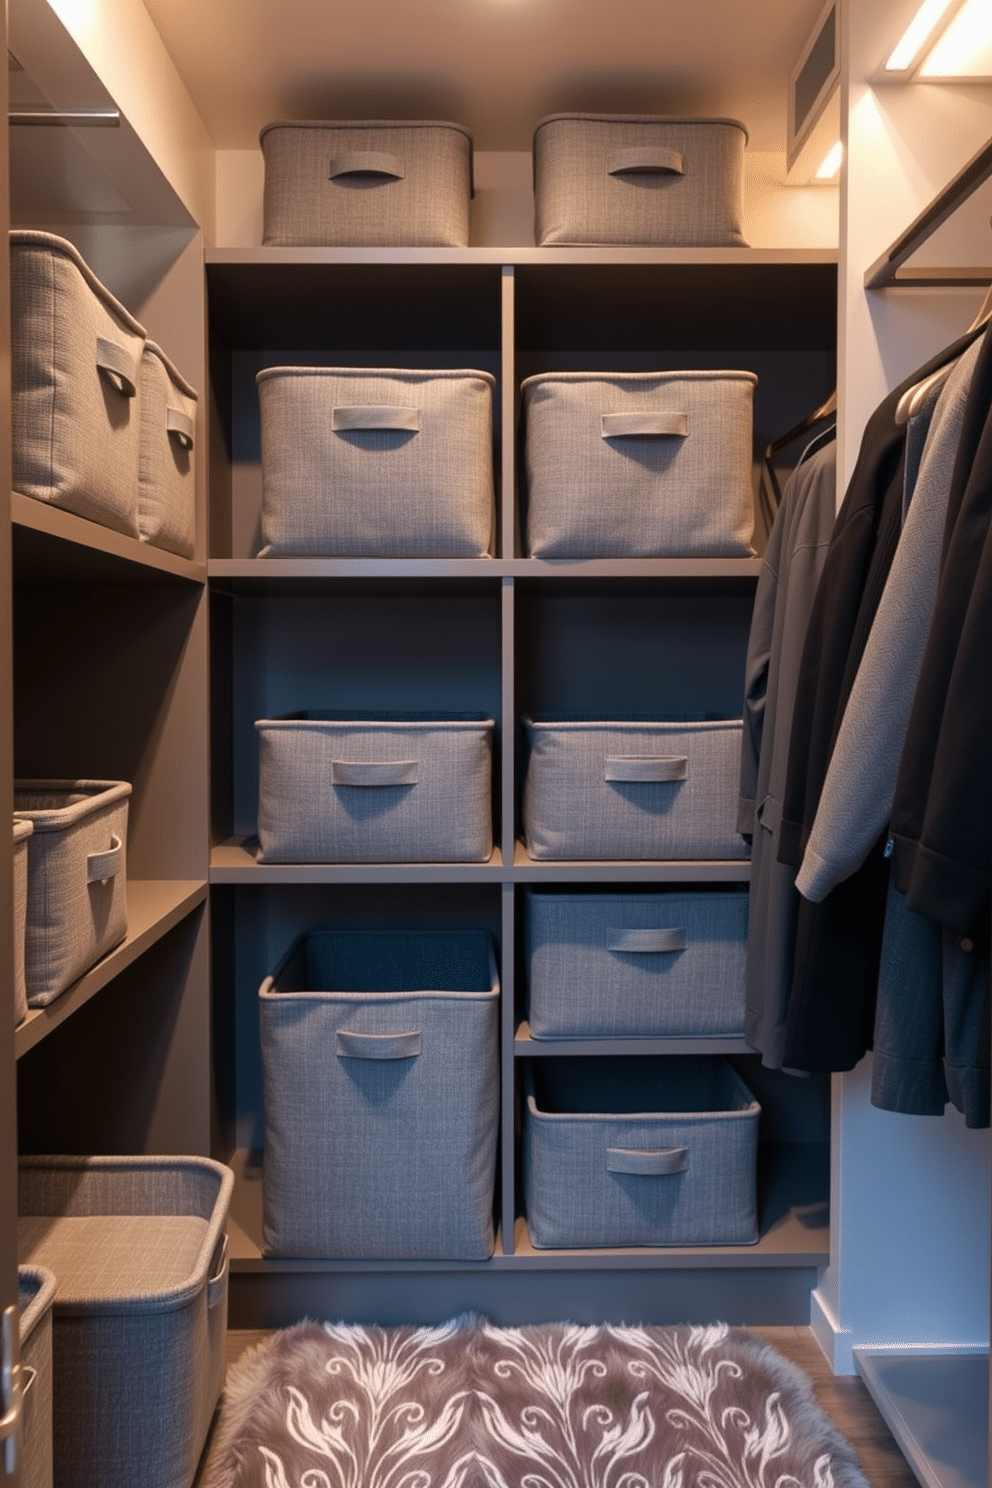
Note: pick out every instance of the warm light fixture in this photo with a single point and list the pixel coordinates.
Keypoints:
(814, 100)
(965, 47)
(916, 36)
(831, 164)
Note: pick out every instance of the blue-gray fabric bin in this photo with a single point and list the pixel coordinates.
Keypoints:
(639, 1151)
(167, 469)
(35, 1294)
(661, 965)
(139, 1251)
(631, 788)
(380, 1057)
(379, 787)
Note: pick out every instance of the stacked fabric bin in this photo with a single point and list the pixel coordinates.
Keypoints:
(36, 1292)
(22, 831)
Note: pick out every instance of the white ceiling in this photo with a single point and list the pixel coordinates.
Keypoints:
(495, 66)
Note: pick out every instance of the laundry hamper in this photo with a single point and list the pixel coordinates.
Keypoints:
(366, 183)
(639, 179)
(639, 464)
(167, 474)
(77, 878)
(391, 462)
(659, 965)
(75, 356)
(139, 1249)
(35, 1293)
(381, 1090)
(379, 787)
(637, 787)
(639, 1151)
(22, 831)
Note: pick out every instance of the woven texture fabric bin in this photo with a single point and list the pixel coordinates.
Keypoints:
(35, 1294)
(639, 464)
(636, 788)
(140, 1315)
(639, 179)
(77, 878)
(639, 1151)
(381, 1082)
(366, 183)
(75, 359)
(22, 831)
(167, 477)
(661, 965)
(390, 787)
(383, 463)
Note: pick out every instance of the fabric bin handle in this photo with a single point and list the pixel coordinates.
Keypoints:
(645, 425)
(658, 1163)
(377, 1045)
(374, 772)
(645, 942)
(646, 160)
(366, 163)
(215, 1283)
(180, 427)
(118, 364)
(375, 416)
(635, 768)
(103, 865)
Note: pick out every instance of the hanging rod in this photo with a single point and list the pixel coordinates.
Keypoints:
(68, 118)
(885, 271)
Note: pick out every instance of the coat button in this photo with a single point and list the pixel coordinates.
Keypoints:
(966, 944)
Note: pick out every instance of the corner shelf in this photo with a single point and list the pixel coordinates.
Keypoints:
(937, 1407)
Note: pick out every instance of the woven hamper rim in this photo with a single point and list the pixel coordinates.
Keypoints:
(97, 793)
(579, 722)
(750, 1109)
(725, 374)
(401, 374)
(313, 719)
(25, 237)
(683, 119)
(23, 828)
(268, 988)
(44, 1294)
(153, 349)
(365, 124)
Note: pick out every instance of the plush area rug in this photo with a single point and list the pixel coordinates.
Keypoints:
(470, 1405)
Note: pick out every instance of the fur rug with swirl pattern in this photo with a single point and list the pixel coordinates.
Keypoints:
(470, 1405)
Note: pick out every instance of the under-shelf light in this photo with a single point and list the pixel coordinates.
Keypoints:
(964, 49)
(829, 169)
(917, 35)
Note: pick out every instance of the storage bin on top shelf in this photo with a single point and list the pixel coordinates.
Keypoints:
(644, 786)
(35, 1294)
(22, 831)
(384, 462)
(639, 464)
(639, 179)
(366, 183)
(344, 787)
(380, 1056)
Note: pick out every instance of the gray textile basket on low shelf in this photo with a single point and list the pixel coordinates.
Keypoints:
(77, 878)
(35, 1294)
(639, 464)
(385, 462)
(632, 788)
(167, 475)
(366, 183)
(22, 831)
(397, 787)
(641, 179)
(649, 965)
(380, 1057)
(75, 354)
(139, 1249)
(639, 1150)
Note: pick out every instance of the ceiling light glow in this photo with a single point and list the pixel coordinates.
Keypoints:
(831, 165)
(915, 38)
(965, 48)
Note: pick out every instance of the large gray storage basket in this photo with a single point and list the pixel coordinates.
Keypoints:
(661, 965)
(139, 1250)
(640, 179)
(75, 358)
(77, 878)
(392, 462)
(639, 1151)
(639, 464)
(381, 1078)
(379, 787)
(167, 476)
(22, 831)
(35, 1294)
(364, 183)
(644, 787)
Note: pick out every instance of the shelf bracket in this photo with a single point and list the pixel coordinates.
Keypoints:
(887, 271)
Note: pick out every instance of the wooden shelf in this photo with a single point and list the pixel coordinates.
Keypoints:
(527, 1047)
(47, 540)
(937, 1407)
(288, 575)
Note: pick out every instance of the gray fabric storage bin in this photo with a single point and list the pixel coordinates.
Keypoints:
(75, 354)
(35, 1294)
(380, 1058)
(22, 831)
(400, 787)
(639, 464)
(77, 878)
(166, 476)
(390, 462)
(639, 787)
(639, 1151)
(366, 183)
(662, 965)
(639, 179)
(139, 1250)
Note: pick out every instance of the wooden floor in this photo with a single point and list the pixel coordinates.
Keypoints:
(844, 1398)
